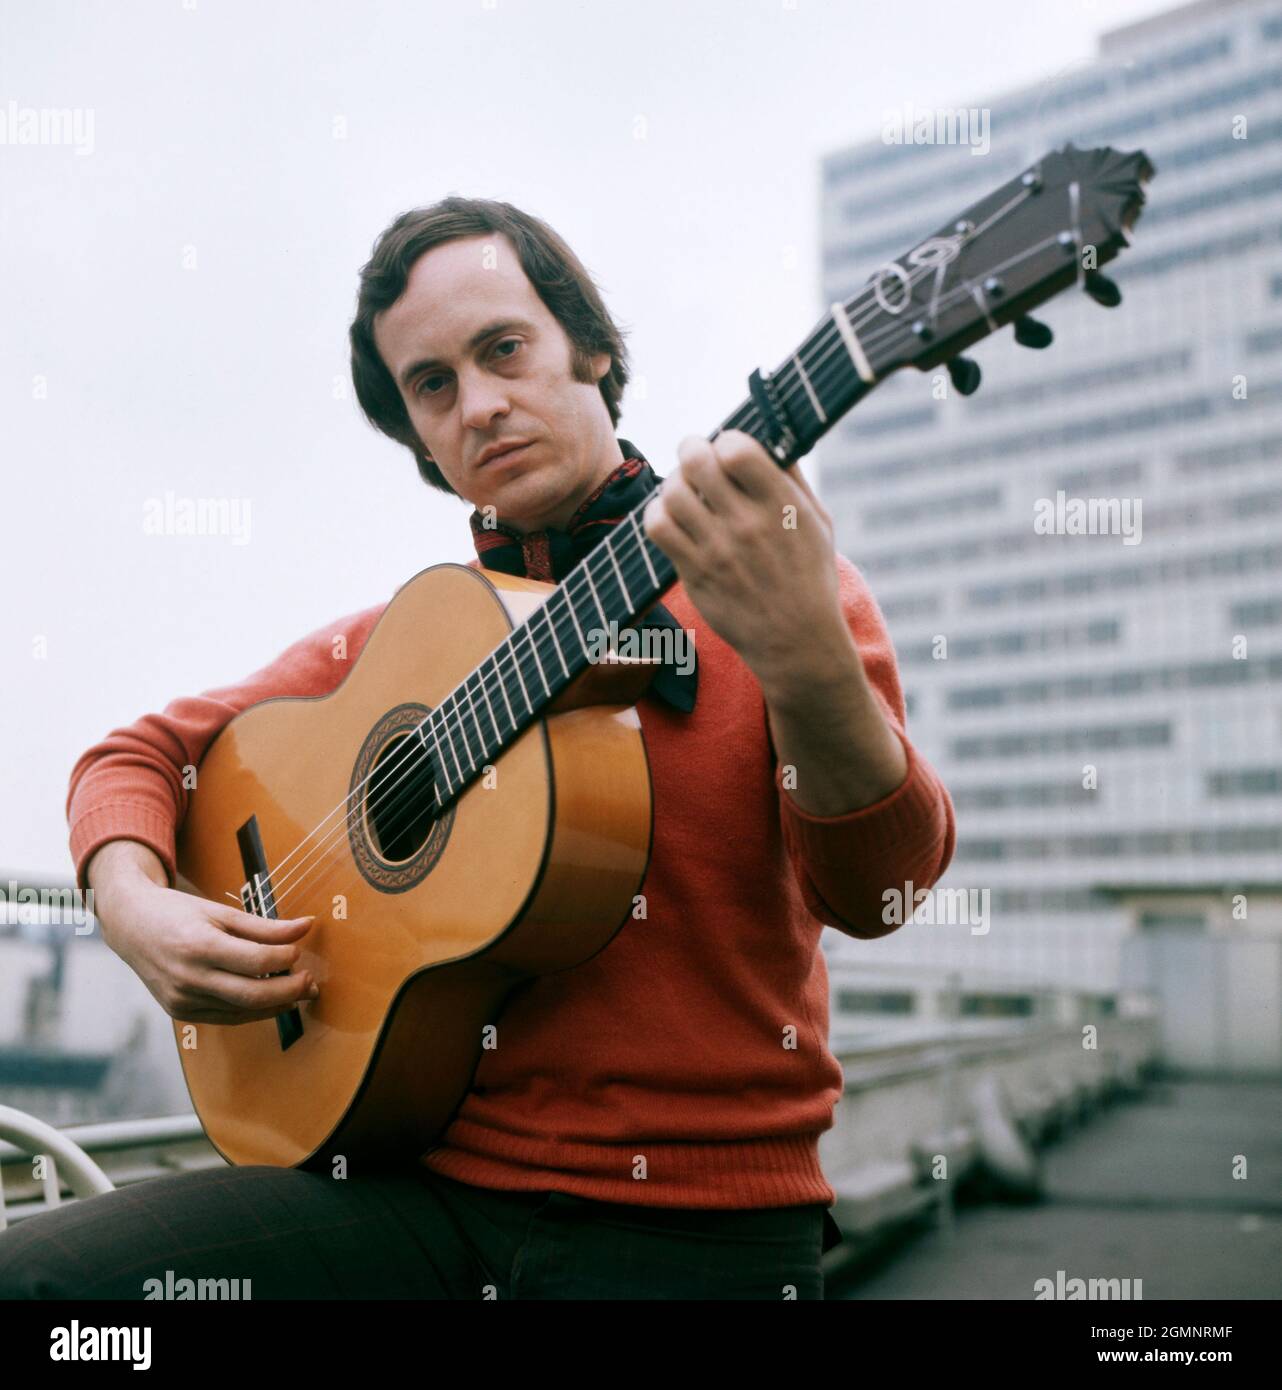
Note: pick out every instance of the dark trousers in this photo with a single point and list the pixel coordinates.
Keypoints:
(413, 1235)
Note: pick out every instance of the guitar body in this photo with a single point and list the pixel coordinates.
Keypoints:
(417, 942)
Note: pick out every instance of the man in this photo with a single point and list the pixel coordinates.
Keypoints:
(649, 1125)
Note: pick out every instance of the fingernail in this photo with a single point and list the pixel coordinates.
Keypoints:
(314, 991)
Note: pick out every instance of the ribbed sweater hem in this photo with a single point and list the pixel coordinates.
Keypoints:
(732, 1175)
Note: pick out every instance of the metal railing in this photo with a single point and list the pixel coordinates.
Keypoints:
(121, 1152)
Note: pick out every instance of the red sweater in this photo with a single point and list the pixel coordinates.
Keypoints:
(685, 1065)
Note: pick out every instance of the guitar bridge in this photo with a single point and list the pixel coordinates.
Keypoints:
(256, 895)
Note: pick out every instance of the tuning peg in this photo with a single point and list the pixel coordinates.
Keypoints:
(1032, 333)
(1102, 290)
(965, 375)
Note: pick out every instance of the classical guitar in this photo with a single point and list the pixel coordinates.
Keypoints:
(475, 717)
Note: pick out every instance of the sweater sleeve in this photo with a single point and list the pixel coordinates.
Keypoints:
(843, 864)
(131, 785)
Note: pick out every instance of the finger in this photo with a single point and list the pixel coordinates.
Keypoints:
(220, 950)
(684, 507)
(702, 471)
(665, 531)
(221, 990)
(747, 464)
(250, 927)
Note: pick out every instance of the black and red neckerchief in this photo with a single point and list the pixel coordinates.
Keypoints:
(552, 553)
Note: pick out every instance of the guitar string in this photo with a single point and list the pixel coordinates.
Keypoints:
(412, 759)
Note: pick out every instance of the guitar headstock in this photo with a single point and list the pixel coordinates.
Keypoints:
(1047, 229)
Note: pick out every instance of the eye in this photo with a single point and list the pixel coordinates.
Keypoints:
(424, 381)
(513, 343)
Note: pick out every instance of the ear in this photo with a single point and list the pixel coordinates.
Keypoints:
(601, 365)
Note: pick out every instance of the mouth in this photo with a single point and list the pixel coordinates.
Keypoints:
(505, 456)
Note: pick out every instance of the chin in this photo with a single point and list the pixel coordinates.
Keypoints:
(531, 495)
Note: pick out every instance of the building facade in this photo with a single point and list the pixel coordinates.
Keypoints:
(1105, 708)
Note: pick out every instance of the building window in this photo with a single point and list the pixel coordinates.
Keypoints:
(1254, 781)
(1172, 921)
(867, 1001)
(1034, 741)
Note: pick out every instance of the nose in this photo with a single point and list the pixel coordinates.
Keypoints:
(482, 400)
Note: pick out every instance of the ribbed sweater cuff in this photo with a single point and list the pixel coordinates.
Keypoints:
(911, 814)
(121, 821)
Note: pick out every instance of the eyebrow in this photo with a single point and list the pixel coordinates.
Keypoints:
(474, 342)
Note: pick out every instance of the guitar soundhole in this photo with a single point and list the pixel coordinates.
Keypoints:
(395, 836)
(400, 800)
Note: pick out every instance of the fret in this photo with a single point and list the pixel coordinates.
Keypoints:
(642, 539)
(632, 575)
(427, 724)
(560, 655)
(516, 666)
(569, 639)
(498, 733)
(574, 617)
(820, 415)
(587, 574)
(471, 705)
(442, 713)
(627, 597)
(498, 676)
(487, 740)
(604, 574)
(456, 714)
(542, 658)
(449, 743)
(525, 631)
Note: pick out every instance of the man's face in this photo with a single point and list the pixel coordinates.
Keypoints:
(479, 361)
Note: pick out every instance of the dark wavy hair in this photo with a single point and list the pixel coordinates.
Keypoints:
(556, 273)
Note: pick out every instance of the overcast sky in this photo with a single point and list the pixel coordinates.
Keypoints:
(175, 299)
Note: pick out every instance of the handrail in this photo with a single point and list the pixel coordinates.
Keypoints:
(35, 1137)
(108, 1136)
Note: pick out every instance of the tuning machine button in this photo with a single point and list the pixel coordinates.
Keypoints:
(1032, 333)
(965, 375)
(1102, 290)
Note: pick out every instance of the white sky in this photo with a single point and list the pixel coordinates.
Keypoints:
(213, 127)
